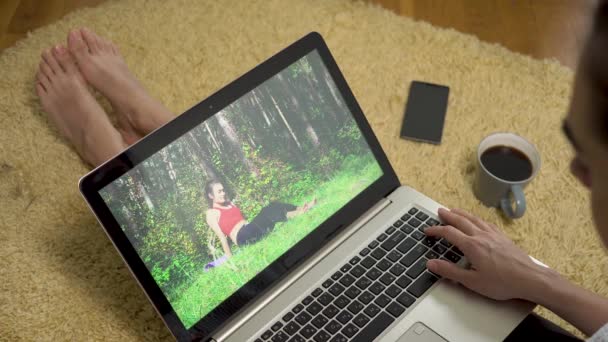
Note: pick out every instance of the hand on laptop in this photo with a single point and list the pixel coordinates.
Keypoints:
(499, 269)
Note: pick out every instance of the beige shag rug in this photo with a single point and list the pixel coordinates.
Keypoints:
(60, 277)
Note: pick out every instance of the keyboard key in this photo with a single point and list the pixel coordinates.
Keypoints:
(327, 283)
(322, 336)
(384, 264)
(303, 318)
(339, 338)
(405, 299)
(364, 252)
(336, 275)
(417, 268)
(406, 228)
(398, 224)
(352, 292)
(397, 269)
(307, 300)
(387, 279)
(412, 211)
(317, 292)
(347, 280)
(298, 308)
(350, 330)
(378, 253)
(429, 241)
(336, 289)
(325, 299)
(355, 307)
(416, 234)
(330, 311)
(377, 288)
(361, 320)
(333, 327)
(357, 271)
(344, 316)
(414, 223)
(403, 281)
(393, 291)
(422, 216)
(266, 335)
(382, 300)
(390, 230)
(406, 245)
(366, 297)
(368, 262)
(280, 337)
(373, 274)
(341, 302)
(394, 256)
(374, 328)
(292, 328)
(432, 222)
(372, 310)
(381, 237)
(363, 283)
(288, 316)
(346, 268)
(319, 321)
(276, 326)
(395, 309)
(308, 331)
(373, 244)
(393, 241)
(445, 243)
(297, 338)
(432, 255)
(439, 248)
(453, 257)
(413, 255)
(457, 251)
(423, 283)
(354, 260)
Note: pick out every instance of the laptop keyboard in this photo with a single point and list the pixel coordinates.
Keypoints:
(371, 290)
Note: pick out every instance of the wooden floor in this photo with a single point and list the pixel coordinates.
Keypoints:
(540, 28)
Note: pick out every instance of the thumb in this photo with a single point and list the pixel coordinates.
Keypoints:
(449, 270)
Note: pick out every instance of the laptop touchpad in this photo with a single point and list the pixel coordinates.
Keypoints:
(419, 332)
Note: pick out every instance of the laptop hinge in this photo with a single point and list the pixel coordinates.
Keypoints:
(231, 326)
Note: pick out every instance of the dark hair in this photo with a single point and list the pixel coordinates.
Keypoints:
(595, 55)
(209, 190)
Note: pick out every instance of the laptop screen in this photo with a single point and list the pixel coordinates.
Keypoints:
(216, 206)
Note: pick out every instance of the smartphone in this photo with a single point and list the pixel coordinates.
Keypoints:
(425, 111)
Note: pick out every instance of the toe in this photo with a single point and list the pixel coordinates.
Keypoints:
(45, 70)
(43, 81)
(91, 40)
(65, 59)
(49, 63)
(77, 46)
(40, 90)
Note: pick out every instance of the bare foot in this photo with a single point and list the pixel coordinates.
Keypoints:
(69, 104)
(104, 68)
(310, 204)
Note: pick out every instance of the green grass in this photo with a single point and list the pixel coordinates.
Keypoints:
(211, 288)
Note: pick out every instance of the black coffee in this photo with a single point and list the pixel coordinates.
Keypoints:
(507, 163)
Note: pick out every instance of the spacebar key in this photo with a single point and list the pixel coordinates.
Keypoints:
(374, 328)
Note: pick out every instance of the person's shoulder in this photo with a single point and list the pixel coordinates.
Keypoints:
(212, 212)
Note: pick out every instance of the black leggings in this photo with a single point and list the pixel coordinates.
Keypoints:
(264, 222)
(536, 328)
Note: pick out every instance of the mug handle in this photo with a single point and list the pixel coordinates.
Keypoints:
(520, 202)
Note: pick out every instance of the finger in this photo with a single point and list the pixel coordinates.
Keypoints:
(453, 235)
(450, 271)
(474, 219)
(458, 221)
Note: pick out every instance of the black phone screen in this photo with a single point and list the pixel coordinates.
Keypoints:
(425, 112)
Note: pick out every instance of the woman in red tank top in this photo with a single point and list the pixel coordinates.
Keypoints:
(227, 221)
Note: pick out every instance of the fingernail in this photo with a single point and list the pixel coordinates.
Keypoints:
(430, 265)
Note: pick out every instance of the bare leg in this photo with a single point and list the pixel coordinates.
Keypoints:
(104, 68)
(301, 209)
(69, 104)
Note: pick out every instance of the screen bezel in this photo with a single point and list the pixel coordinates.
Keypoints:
(94, 181)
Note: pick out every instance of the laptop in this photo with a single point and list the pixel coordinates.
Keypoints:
(270, 212)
